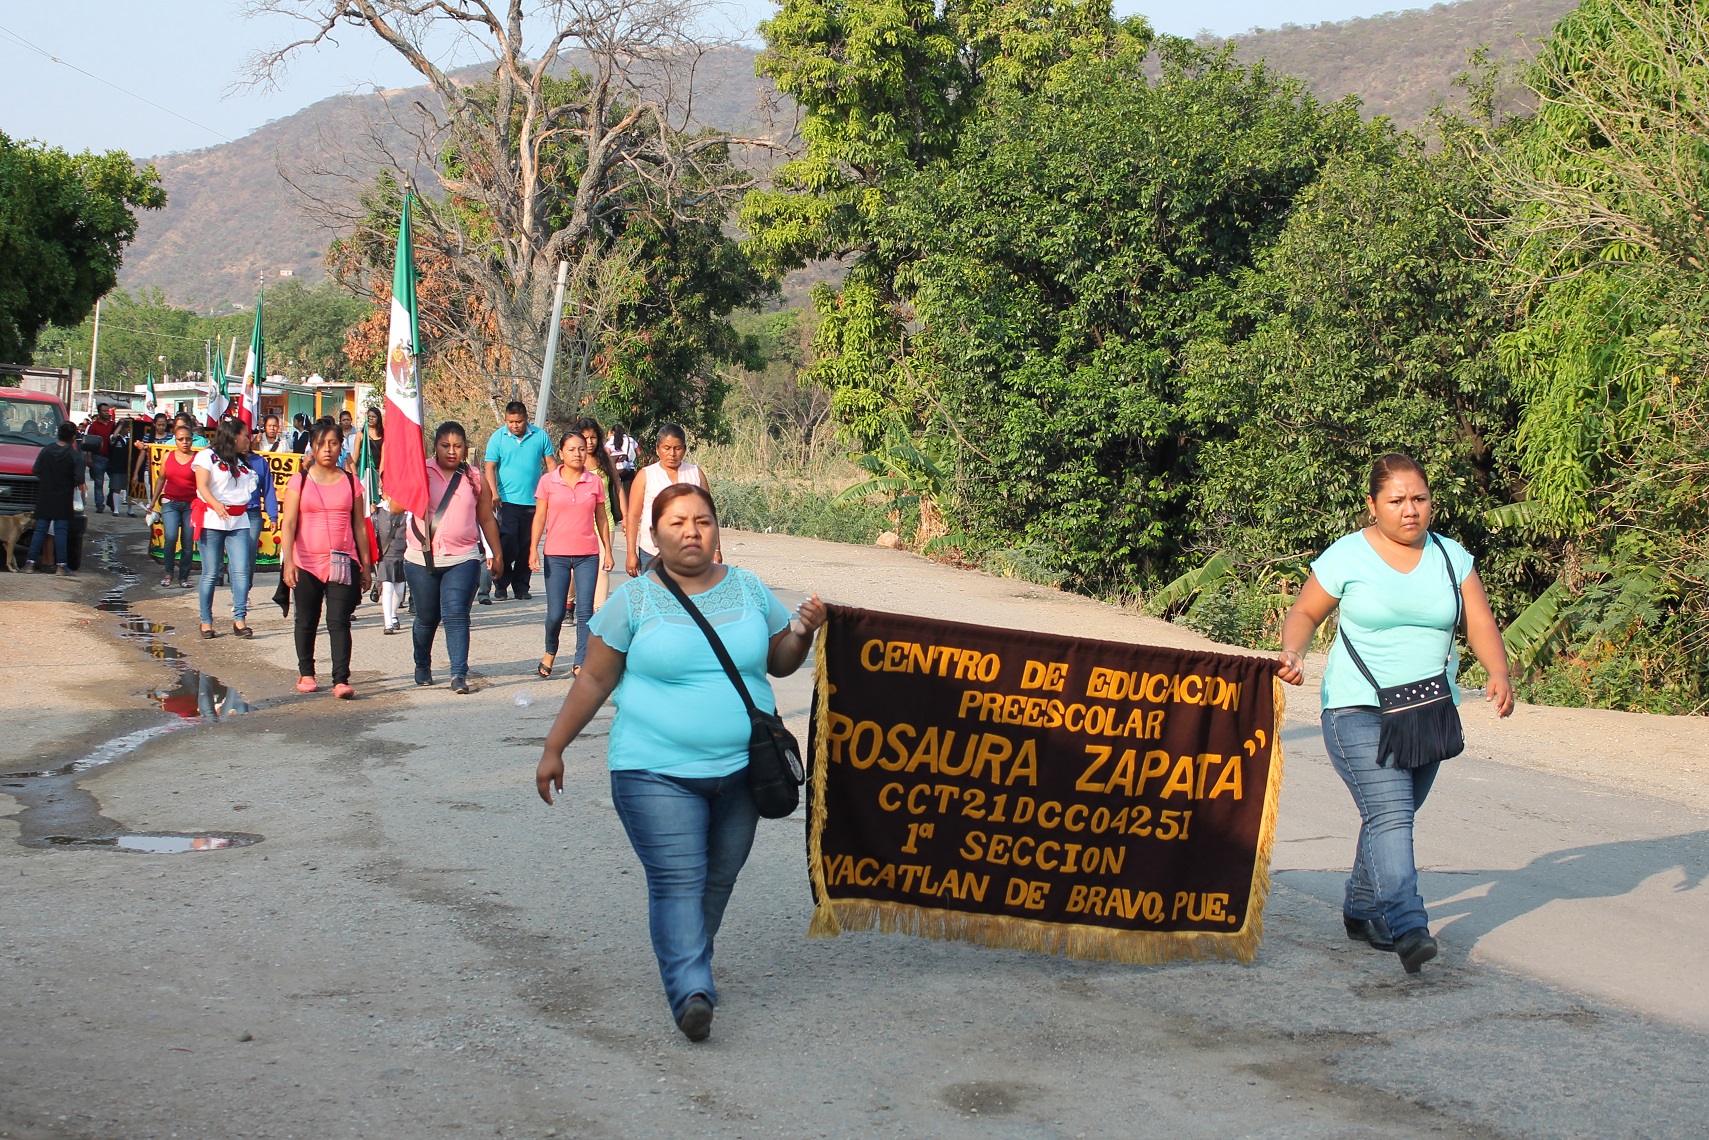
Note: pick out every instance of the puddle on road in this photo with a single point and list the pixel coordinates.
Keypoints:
(157, 844)
(58, 813)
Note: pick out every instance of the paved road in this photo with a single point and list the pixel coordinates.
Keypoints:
(419, 947)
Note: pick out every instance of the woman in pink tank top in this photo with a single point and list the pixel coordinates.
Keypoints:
(323, 555)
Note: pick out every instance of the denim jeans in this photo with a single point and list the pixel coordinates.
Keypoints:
(692, 837)
(1384, 882)
(175, 522)
(561, 571)
(98, 476)
(515, 528)
(254, 540)
(442, 597)
(231, 546)
(61, 539)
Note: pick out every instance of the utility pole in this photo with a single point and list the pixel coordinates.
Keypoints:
(551, 349)
(94, 345)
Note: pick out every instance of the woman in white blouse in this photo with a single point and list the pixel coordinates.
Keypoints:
(225, 483)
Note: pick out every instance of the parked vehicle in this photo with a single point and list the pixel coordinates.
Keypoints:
(29, 421)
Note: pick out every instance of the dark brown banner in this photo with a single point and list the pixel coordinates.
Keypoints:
(1041, 792)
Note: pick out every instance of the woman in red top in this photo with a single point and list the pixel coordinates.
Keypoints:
(173, 498)
(568, 515)
(324, 556)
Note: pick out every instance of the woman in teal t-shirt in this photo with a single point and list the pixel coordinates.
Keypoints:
(678, 750)
(1397, 604)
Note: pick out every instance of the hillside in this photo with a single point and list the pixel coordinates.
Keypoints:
(232, 222)
(1403, 63)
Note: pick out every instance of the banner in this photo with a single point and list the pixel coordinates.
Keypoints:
(282, 464)
(1039, 792)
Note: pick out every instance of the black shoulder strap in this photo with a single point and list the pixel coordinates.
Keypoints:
(438, 517)
(1459, 610)
(712, 637)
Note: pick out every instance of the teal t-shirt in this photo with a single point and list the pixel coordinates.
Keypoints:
(1400, 623)
(677, 712)
(519, 462)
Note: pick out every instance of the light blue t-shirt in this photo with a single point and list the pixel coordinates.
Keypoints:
(1399, 623)
(677, 712)
(519, 462)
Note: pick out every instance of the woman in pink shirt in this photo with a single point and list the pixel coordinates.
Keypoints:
(323, 555)
(442, 556)
(567, 515)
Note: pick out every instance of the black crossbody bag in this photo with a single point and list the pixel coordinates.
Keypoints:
(1421, 724)
(775, 773)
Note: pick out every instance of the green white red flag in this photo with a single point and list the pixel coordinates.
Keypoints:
(403, 461)
(253, 370)
(218, 399)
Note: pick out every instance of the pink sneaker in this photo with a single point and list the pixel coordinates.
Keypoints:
(343, 692)
(306, 685)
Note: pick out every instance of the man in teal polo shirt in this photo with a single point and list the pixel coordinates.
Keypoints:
(515, 459)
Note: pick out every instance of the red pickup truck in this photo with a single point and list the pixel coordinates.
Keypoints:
(29, 421)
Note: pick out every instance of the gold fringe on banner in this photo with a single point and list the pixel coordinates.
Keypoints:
(824, 924)
(1140, 947)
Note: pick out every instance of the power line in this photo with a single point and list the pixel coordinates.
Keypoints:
(22, 42)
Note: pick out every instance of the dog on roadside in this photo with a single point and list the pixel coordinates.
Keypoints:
(11, 526)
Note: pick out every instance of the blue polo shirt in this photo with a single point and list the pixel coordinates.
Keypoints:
(519, 462)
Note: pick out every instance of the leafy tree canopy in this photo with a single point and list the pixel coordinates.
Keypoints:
(65, 220)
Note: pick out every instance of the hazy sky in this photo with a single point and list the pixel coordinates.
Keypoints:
(184, 55)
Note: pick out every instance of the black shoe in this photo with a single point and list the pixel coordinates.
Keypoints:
(423, 676)
(524, 597)
(1372, 930)
(500, 596)
(459, 685)
(695, 1020)
(1415, 948)
(484, 601)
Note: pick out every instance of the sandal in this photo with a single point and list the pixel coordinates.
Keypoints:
(166, 581)
(575, 670)
(544, 668)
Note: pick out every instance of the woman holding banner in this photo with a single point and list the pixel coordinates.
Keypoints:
(678, 750)
(1400, 590)
(174, 495)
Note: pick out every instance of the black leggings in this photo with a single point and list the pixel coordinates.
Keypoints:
(340, 602)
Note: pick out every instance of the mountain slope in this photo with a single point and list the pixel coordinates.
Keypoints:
(232, 222)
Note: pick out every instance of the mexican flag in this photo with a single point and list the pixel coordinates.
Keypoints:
(218, 399)
(403, 461)
(153, 400)
(253, 370)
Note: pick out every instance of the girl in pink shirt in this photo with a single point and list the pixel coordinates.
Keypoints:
(324, 557)
(577, 534)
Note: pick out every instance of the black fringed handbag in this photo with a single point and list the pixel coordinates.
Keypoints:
(775, 772)
(1421, 724)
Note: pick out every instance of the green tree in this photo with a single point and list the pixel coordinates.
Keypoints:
(1077, 240)
(65, 220)
(1607, 192)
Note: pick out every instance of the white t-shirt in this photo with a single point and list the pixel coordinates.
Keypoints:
(622, 455)
(657, 479)
(232, 486)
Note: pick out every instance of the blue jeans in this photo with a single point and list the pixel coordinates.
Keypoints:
(254, 539)
(561, 570)
(98, 476)
(442, 597)
(231, 546)
(175, 522)
(1384, 882)
(692, 837)
(61, 539)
